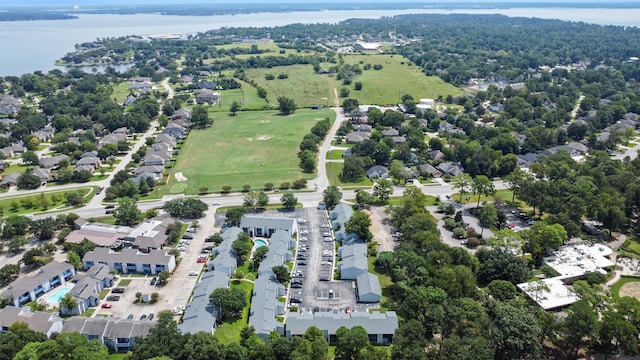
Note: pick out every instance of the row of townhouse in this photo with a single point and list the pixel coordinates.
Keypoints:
(130, 261)
(353, 264)
(265, 306)
(117, 334)
(200, 314)
(86, 290)
(160, 152)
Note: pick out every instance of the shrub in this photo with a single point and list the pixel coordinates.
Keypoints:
(285, 185)
(226, 189)
(203, 190)
(154, 298)
(473, 242)
(299, 184)
(268, 186)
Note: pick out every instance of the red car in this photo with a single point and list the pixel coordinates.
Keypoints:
(347, 310)
(107, 306)
(201, 260)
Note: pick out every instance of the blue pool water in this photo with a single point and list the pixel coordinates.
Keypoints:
(55, 298)
(260, 243)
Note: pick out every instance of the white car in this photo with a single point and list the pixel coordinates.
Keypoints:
(304, 232)
(193, 273)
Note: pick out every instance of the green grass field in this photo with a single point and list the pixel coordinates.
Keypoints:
(252, 148)
(397, 77)
(55, 200)
(303, 85)
(121, 91)
(335, 154)
(615, 289)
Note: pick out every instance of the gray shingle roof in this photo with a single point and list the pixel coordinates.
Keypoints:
(368, 284)
(200, 314)
(374, 323)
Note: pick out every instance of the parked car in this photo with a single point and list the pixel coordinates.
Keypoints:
(304, 232)
(143, 317)
(302, 263)
(153, 281)
(296, 285)
(130, 317)
(118, 290)
(187, 236)
(113, 298)
(150, 317)
(193, 273)
(159, 283)
(347, 310)
(106, 306)
(201, 260)
(295, 300)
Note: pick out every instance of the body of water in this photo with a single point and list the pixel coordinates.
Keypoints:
(28, 46)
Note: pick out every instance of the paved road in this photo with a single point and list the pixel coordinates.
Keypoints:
(322, 181)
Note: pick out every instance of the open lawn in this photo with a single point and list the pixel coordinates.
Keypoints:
(397, 77)
(121, 91)
(230, 332)
(251, 148)
(303, 85)
(334, 169)
(247, 97)
(44, 201)
(615, 289)
(335, 154)
(385, 283)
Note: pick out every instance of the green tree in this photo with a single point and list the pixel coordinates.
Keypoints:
(15, 225)
(319, 345)
(364, 199)
(200, 117)
(187, 208)
(502, 290)
(501, 265)
(359, 224)
(74, 259)
(17, 336)
(256, 199)
(164, 339)
(234, 108)
(350, 342)
(580, 327)
(331, 196)
(29, 157)
(286, 105)
(482, 186)
(397, 172)
(242, 247)
(542, 237)
(462, 182)
(234, 215)
(28, 181)
(127, 212)
(488, 217)
(68, 304)
(229, 302)
(382, 189)
(282, 273)
(288, 200)
(515, 333)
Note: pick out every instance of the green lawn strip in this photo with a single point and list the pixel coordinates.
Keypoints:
(504, 194)
(397, 200)
(251, 148)
(397, 77)
(615, 289)
(116, 356)
(35, 200)
(124, 282)
(632, 246)
(103, 293)
(335, 155)
(228, 333)
(16, 168)
(333, 173)
(104, 219)
(385, 283)
(303, 85)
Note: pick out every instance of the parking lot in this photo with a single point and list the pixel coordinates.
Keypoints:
(315, 272)
(175, 293)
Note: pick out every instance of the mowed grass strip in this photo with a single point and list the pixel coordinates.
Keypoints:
(251, 148)
(397, 77)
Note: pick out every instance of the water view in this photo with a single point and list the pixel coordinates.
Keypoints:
(28, 46)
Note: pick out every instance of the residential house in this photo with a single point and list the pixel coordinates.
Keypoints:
(207, 96)
(111, 139)
(377, 172)
(43, 174)
(399, 139)
(130, 261)
(357, 137)
(52, 162)
(28, 288)
(362, 128)
(89, 163)
(167, 139)
(207, 85)
(46, 323)
(156, 159)
(44, 134)
(9, 104)
(527, 159)
(181, 114)
(380, 327)
(451, 168)
(129, 100)
(390, 132)
(10, 179)
(429, 170)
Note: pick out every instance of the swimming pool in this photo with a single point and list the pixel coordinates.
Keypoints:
(260, 243)
(55, 298)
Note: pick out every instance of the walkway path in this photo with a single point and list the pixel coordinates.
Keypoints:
(321, 182)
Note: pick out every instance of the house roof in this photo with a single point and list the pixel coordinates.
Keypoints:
(28, 283)
(200, 314)
(88, 160)
(368, 283)
(264, 305)
(39, 321)
(373, 323)
(451, 168)
(357, 136)
(277, 254)
(100, 234)
(377, 171)
(277, 223)
(390, 132)
(429, 169)
(156, 169)
(127, 256)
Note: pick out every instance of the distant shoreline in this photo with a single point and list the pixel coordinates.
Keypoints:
(36, 13)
